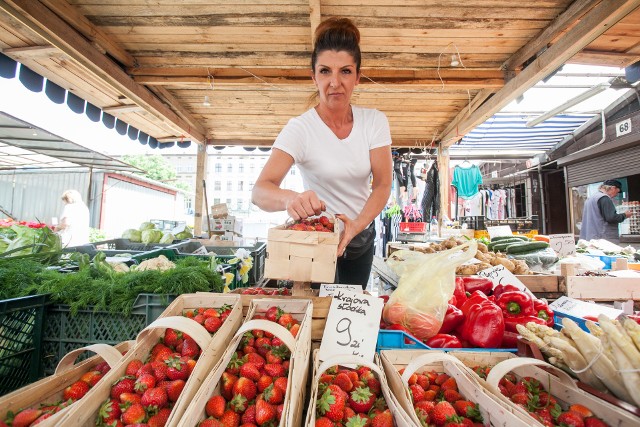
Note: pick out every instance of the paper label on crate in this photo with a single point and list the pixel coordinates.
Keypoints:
(563, 244)
(352, 325)
(577, 308)
(178, 229)
(329, 289)
(499, 275)
(499, 230)
(202, 250)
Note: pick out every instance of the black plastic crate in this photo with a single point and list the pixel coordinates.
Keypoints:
(64, 332)
(473, 222)
(128, 245)
(258, 252)
(21, 324)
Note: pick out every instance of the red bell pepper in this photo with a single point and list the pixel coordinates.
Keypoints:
(543, 311)
(500, 289)
(483, 325)
(459, 292)
(444, 341)
(511, 322)
(509, 340)
(452, 318)
(474, 298)
(516, 303)
(477, 283)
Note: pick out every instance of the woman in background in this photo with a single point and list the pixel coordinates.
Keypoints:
(73, 227)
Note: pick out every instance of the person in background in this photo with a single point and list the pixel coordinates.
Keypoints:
(342, 151)
(599, 217)
(73, 227)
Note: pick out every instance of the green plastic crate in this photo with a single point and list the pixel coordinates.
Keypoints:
(64, 332)
(21, 323)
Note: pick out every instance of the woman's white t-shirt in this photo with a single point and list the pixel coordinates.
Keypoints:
(338, 170)
(76, 231)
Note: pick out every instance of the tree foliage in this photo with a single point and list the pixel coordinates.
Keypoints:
(155, 167)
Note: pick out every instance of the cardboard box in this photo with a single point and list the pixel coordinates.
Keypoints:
(219, 211)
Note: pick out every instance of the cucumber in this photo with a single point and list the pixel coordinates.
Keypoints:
(514, 236)
(502, 242)
(503, 247)
(527, 247)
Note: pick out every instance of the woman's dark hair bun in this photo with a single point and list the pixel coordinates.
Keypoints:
(337, 26)
(339, 34)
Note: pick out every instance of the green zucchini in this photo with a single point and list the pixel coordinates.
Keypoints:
(514, 236)
(527, 247)
(503, 247)
(502, 242)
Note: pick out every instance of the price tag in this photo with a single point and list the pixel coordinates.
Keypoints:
(499, 275)
(352, 325)
(563, 244)
(577, 308)
(329, 289)
(499, 230)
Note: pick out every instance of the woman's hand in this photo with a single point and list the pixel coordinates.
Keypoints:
(304, 205)
(350, 231)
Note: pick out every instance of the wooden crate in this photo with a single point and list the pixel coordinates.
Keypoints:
(85, 412)
(298, 372)
(548, 286)
(494, 411)
(49, 389)
(306, 256)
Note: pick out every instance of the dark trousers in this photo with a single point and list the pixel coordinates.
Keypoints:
(355, 271)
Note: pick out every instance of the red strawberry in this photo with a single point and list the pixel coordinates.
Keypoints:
(215, 406)
(273, 395)
(109, 412)
(466, 408)
(324, 422)
(177, 368)
(265, 412)
(144, 382)
(273, 313)
(174, 388)
(25, 417)
(189, 348)
(281, 383)
(230, 419)
(580, 409)
(383, 419)
(133, 367)
(102, 367)
(123, 385)
(343, 381)
(263, 382)
(263, 345)
(134, 414)
(172, 338)
(210, 422)
(211, 312)
(424, 408)
(254, 358)
(361, 399)
(130, 398)
(449, 384)
(156, 397)
(570, 418)
(245, 387)
(275, 370)
(160, 419)
(92, 377)
(160, 352)
(233, 367)
(451, 396)
(372, 382)
(520, 398)
(159, 370)
(41, 418)
(594, 422)
(332, 402)
(441, 412)
(228, 381)
(199, 318)
(417, 392)
(295, 329)
(249, 416)
(212, 324)
(251, 371)
(75, 391)
(239, 403)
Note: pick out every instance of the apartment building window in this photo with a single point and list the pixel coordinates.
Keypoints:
(218, 168)
(240, 185)
(252, 167)
(217, 186)
(230, 168)
(240, 205)
(241, 168)
(229, 202)
(216, 200)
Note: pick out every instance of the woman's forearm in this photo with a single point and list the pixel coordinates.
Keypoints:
(271, 198)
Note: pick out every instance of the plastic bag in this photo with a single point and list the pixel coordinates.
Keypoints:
(540, 261)
(426, 285)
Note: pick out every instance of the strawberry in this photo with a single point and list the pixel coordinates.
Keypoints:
(383, 419)
(263, 345)
(210, 422)
(423, 381)
(41, 418)
(174, 388)
(130, 398)
(457, 421)
(160, 352)
(265, 412)
(230, 419)
(109, 412)
(273, 313)
(251, 371)
(581, 409)
(430, 395)
(294, 330)
(122, 385)
(102, 367)
(332, 402)
(92, 377)
(570, 418)
(372, 382)
(75, 391)
(245, 387)
(228, 381)
(238, 404)
(286, 320)
(177, 368)
(144, 382)
(343, 381)
(134, 414)
(465, 407)
(199, 318)
(361, 399)
(159, 419)
(233, 367)
(189, 348)
(273, 395)
(212, 324)
(440, 379)
(594, 422)
(215, 406)
(254, 358)
(263, 382)
(281, 383)
(275, 370)
(25, 417)
(451, 395)
(249, 416)
(324, 422)
(277, 354)
(133, 367)
(211, 312)
(441, 412)
(520, 398)
(449, 384)
(156, 397)
(423, 410)
(417, 392)
(172, 338)
(326, 378)
(159, 370)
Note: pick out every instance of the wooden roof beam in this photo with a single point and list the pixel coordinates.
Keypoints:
(38, 18)
(597, 21)
(315, 17)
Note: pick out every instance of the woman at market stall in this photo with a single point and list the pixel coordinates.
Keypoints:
(73, 227)
(343, 152)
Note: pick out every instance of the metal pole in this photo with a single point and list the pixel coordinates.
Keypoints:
(544, 222)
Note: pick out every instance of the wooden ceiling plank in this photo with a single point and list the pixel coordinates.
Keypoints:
(480, 97)
(560, 24)
(78, 21)
(171, 101)
(611, 59)
(31, 52)
(117, 109)
(594, 23)
(49, 26)
(315, 17)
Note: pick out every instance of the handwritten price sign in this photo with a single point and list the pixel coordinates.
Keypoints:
(329, 289)
(499, 275)
(563, 244)
(352, 325)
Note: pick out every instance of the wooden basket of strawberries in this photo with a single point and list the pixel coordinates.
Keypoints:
(46, 401)
(435, 388)
(304, 250)
(261, 379)
(156, 380)
(349, 390)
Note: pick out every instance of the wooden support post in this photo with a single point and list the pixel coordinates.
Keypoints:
(445, 182)
(201, 174)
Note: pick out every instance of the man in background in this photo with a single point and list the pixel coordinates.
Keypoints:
(599, 217)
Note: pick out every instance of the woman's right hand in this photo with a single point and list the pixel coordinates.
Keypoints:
(304, 205)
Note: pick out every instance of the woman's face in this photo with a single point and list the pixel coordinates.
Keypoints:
(335, 77)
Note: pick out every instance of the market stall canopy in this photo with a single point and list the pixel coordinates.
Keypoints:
(25, 146)
(234, 73)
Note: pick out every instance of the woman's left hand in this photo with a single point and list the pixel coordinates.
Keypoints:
(350, 231)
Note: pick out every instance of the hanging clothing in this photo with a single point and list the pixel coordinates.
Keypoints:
(466, 181)
(431, 196)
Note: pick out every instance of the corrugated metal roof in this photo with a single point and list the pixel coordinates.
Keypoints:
(508, 131)
(23, 145)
